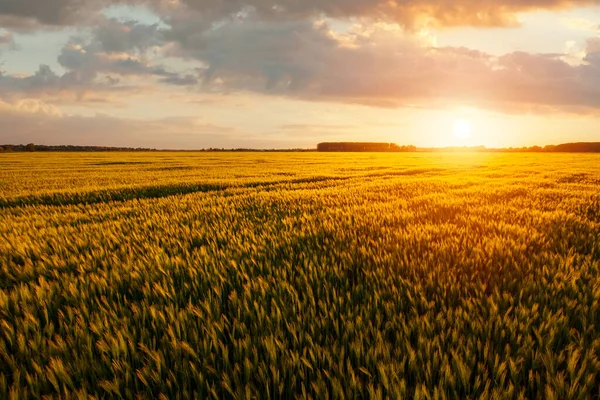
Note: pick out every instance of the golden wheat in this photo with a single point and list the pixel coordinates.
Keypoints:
(178, 275)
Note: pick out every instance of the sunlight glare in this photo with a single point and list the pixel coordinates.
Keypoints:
(462, 129)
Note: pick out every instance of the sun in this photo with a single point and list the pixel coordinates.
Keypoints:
(462, 129)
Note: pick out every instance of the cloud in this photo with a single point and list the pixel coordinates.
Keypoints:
(236, 54)
(313, 127)
(70, 87)
(593, 45)
(581, 24)
(45, 84)
(33, 121)
(116, 36)
(7, 43)
(88, 61)
(28, 107)
(6, 39)
(278, 48)
(28, 14)
(112, 59)
(42, 81)
(593, 55)
(408, 13)
(114, 47)
(187, 80)
(380, 66)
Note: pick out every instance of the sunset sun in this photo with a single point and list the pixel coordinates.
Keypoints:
(462, 129)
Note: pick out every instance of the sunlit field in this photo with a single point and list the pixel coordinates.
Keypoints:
(299, 275)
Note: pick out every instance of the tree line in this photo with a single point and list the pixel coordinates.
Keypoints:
(580, 147)
(31, 147)
(363, 146)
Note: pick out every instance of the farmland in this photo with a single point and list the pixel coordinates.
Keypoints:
(224, 275)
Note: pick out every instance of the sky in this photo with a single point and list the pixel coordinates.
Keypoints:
(193, 74)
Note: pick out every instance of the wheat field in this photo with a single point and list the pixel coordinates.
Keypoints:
(299, 275)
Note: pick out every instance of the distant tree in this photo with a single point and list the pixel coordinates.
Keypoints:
(31, 147)
(579, 147)
(1, 149)
(363, 146)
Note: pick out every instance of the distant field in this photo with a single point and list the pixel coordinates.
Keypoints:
(259, 275)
